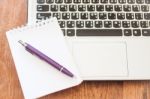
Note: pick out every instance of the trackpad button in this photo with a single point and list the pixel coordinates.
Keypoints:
(101, 58)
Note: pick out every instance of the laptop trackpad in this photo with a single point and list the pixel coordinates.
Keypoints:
(101, 58)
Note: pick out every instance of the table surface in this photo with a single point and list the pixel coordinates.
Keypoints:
(13, 13)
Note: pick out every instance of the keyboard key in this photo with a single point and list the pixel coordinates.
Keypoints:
(113, 1)
(138, 16)
(84, 15)
(62, 24)
(144, 24)
(57, 15)
(121, 16)
(146, 32)
(118, 7)
(93, 16)
(70, 24)
(139, 1)
(70, 32)
(49, 1)
(86, 1)
(100, 7)
(126, 24)
(116, 24)
(90, 7)
(54, 8)
(98, 24)
(147, 1)
(66, 16)
(79, 24)
(63, 7)
(135, 24)
(72, 8)
(107, 24)
(130, 16)
(137, 32)
(40, 1)
(127, 8)
(99, 32)
(58, 1)
(95, 1)
(81, 8)
(44, 16)
(136, 8)
(122, 1)
(68, 1)
(145, 8)
(102, 16)
(89, 24)
(109, 7)
(74, 16)
(147, 16)
(127, 32)
(131, 1)
(42, 8)
(103, 1)
(112, 16)
(77, 1)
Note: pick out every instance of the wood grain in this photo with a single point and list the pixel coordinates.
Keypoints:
(13, 13)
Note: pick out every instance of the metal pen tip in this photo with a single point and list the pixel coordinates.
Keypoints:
(22, 43)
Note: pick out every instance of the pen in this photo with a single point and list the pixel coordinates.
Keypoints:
(44, 57)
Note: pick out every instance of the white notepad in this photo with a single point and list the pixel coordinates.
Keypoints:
(37, 78)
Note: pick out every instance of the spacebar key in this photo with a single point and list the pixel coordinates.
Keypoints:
(99, 32)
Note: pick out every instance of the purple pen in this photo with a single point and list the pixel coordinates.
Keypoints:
(42, 56)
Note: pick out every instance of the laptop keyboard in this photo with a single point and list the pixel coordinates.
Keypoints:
(98, 17)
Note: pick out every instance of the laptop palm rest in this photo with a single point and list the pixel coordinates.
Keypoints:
(101, 58)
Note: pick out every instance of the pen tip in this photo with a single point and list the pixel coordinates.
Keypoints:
(22, 43)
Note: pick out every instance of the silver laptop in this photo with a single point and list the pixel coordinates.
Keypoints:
(109, 39)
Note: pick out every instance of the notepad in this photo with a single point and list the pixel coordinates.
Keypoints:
(37, 78)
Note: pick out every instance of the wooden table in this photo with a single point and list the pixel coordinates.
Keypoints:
(13, 13)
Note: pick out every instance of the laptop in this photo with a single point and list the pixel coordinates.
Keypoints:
(109, 39)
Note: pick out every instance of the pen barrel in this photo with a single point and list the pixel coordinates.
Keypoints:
(50, 61)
